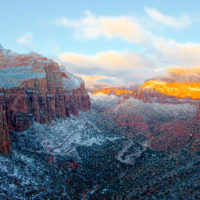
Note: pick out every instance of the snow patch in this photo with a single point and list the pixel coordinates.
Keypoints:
(73, 82)
(14, 76)
(64, 135)
(153, 110)
(103, 101)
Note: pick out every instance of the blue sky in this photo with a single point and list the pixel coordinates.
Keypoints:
(111, 42)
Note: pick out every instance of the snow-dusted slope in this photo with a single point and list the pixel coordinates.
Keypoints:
(43, 157)
(70, 81)
(63, 136)
(14, 77)
(103, 101)
(152, 111)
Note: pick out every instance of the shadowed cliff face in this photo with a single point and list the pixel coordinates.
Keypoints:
(4, 134)
(33, 88)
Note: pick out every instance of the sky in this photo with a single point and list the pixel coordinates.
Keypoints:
(107, 42)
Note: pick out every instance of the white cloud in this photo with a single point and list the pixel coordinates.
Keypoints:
(183, 54)
(108, 60)
(128, 28)
(94, 80)
(92, 27)
(109, 67)
(127, 66)
(175, 22)
(65, 22)
(121, 68)
(26, 39)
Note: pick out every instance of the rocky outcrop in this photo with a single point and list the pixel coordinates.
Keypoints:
(33, 88)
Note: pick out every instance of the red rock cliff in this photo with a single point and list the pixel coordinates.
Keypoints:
(4, 134)
(33, 88)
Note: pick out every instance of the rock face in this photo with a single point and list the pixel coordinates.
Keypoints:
(34, 88)
(153, 96)
(4, 134)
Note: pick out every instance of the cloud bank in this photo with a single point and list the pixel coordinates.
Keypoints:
(125, 67)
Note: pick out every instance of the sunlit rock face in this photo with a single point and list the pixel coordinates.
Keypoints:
(34, 88)
(175, 89)
(178, 82)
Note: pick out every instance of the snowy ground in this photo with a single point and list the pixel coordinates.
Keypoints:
(63, 136)
(103, 101)
(27, 172)
(155, 110)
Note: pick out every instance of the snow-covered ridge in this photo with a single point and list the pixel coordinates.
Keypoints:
(103, 101)
(63, 136)
(72, 82)
(13, 77)
(16, 68)
(150, 110)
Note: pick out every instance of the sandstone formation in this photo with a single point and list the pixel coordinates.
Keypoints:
(4, 134)
(34, 88)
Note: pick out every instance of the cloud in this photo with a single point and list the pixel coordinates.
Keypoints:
(109, 67)
(94, 80)
(126, 68)
(26, 39)
(122, 67)
(175, 22)
(180, 74)
(127, 78)
(183, 70)
(129, 28)
(173, 53)
(163, 53)
(108, 60)
(92, 27)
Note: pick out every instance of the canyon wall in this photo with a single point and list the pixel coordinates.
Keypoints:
(34, 88)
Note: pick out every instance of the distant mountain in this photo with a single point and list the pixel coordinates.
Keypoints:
(163, 113)
(104, 98)
(175, 89)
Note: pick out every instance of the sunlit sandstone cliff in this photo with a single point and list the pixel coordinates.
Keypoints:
(179, 84)
(176, 89)
(33, 87)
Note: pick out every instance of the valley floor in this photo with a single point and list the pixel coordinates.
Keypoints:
(88, 157)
